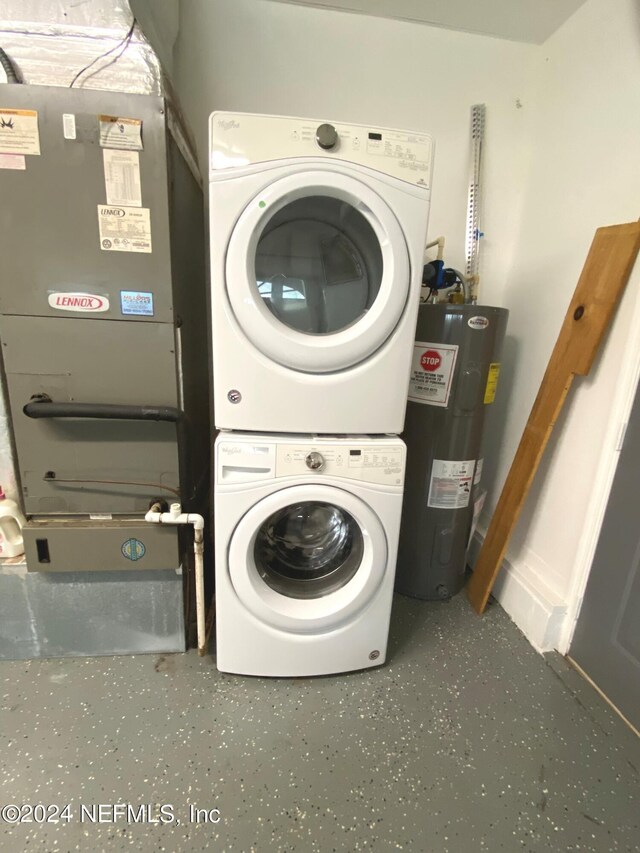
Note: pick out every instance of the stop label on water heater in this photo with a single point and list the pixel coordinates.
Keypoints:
(430, 360)
(432, 370)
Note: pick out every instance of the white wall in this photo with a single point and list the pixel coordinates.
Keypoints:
(584, 173)
(260, 56)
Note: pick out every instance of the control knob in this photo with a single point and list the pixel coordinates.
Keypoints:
(326, 136)
(314, 461)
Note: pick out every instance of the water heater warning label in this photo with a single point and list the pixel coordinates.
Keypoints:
(451, 481)
(432, 373)
(492, 382)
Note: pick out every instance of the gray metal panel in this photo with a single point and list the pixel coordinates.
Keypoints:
(89, 613)
(188, 258)
(433, 542)
(606, 643)
(92, 361)
(99, 546)
(49, 238)
(49, 241)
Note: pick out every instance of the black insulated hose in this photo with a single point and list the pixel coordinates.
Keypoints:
(9, 68)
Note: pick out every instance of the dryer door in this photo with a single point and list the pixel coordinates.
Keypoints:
(317, 271)
(307, 558)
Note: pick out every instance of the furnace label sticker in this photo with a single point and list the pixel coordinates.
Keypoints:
(124, 229)
(19, 132)
(492, 382)
(451, 482)
(69, 125)
(136, 302)
(432, 370)
(13, 161)
(122, 133)
(122, 177)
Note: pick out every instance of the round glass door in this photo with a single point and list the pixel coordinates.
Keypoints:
(317, 271)
(318, 265)
(307, 558)
(308, 549)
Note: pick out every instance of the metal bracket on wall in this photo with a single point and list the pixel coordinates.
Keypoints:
(472, 245)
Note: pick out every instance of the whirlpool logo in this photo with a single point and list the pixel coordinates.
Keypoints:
(228, 124)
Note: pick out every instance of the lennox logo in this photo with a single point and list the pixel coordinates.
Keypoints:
(85, 302)
(112, 211)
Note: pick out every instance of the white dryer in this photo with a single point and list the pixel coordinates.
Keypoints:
(306, 532)
(317, 243)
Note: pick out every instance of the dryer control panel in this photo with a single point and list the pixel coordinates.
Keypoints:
(240, 139)
(379, 461)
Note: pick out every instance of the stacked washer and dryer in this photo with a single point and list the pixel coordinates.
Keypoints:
(317, 242)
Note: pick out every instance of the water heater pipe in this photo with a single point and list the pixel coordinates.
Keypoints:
(176, 516)
(465, 285)
(439, 242)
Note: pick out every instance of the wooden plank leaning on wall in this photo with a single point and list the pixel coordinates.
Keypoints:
(597, 294)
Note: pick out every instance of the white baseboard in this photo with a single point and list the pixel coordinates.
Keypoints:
(533, 606)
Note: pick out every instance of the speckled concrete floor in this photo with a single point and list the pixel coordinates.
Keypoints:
(466, 741)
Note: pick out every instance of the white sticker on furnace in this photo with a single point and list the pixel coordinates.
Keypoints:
(432, 373)
(122, 133)
(124, 229)
(451, 482)
(13, 161)
(19, 131)
(69, 126)
(122, 177)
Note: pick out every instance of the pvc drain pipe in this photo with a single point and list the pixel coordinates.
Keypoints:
(176, 516)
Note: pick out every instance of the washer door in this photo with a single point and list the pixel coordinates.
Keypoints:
(317, 271)
(307, 558)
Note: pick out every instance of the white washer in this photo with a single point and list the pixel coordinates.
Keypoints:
(317, 243)
(306, 532)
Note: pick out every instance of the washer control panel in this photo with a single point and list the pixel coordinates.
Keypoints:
(314, 461)
(255, 458)
(368, 463)
(239, 139)
(327, 136)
